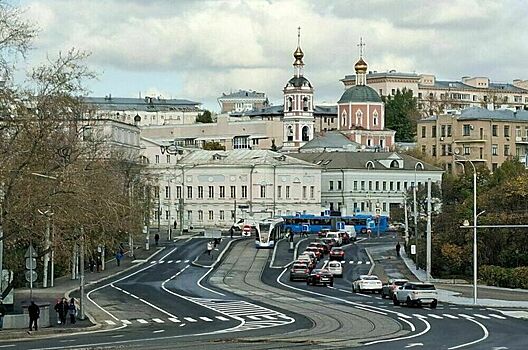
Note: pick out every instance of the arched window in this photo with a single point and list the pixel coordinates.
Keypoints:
(375, 118)
(370, 165)
(344, 118)
(394, 164)
(290, 104)
(359, 116)
(306, 102)
(419, 166)
(289, 133)
(305, 135)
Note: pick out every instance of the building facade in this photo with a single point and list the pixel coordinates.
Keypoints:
(241, 101)
(213, 189)
(363, 181)
(484, 137)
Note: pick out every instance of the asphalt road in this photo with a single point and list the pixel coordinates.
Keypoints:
(244, 304)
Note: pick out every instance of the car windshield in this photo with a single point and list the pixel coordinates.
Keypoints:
(299, 266)
(424, 287)
(400, 283)
(334, 264)
(369, 278)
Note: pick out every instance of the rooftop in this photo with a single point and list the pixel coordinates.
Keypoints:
(241, 157)
(478, 113)
(147, 104)
(330, 140)
(243, 94)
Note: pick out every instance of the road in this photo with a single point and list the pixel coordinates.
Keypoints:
(245, 304)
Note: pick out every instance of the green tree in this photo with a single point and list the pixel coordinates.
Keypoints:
(401, 114)
(213, 146)
(205, 117)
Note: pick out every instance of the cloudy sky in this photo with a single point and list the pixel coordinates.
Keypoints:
(199, 49)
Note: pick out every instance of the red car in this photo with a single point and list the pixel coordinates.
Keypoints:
(345, 237)
(322, 233)
(316, 251)
(322, 247)
(337, 253)
(320, 276)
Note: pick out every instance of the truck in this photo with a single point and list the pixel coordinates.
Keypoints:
(416, 294)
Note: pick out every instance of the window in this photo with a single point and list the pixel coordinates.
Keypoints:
(312, 192)
(233, 191)
(331, 186)
(288, 192)
(222, 191)
(362, 185)
(355, 185)
(189, 191)
(449, 131)
(262, 191)
(377, 185)
(200, 215)
(167, 192)
(467, 150)
(494, 166)
(481, 153)
(506, 150)
(494, 129)
(494, 150)
(398, 186)
(370, 185)
(375, 118)
(304, 192)
(211, 191)
(167, 215)
(244, 191)
(384, 206)
(518, 132)
(506, 131)
(211, 215)
(424, 148)
(155, 189)
(189, 215)
(384, 185)
(200, 191)
(423, 132)
(443, 131)
(157, 158)
(466, 130)
(391, 186)
(433, 151)
(339, 185)
(255, 142)
(221, 215)
(433, 131)
(241, 142)
(178, 192)
(168, 158)
(279, 191)
(359, 114)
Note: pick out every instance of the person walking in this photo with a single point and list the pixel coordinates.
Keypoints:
(98, 262)
(156, 238)
(57, 308)
(3, 311)
(34, 314)
(209, 249)
(119, 256)
(398, 249)
(63, 310)
(72, 311)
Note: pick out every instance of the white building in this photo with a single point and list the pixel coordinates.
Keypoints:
(364, 181)
(215, 188)
(242, 101)
(110, 137)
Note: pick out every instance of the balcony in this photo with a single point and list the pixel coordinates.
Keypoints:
(470, 139)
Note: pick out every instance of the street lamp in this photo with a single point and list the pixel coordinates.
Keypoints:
(415, 213)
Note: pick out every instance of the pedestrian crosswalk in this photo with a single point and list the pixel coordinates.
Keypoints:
(169, 261)
(442, 316)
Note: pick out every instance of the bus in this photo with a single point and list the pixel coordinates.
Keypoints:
(268, 232)
(316, 223)
(365, 222)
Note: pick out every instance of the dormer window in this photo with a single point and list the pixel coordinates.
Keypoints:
(394, 164)
(218, 156)
(419, 166)
(370, 165)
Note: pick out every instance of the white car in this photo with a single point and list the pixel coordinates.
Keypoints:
(335, 236)
(366, 283)
(335, 268)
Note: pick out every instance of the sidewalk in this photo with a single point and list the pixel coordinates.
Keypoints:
(63, 287)
(389, 266)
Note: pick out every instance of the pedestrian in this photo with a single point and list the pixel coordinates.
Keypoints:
(63, 310)
(98, 262)
(3, 311)
(156, 238)
(398, 249)
(57, 310)
(119, 256)
(231, 231)
(91, 264)
(34, 314)
(291, 236)
(209, 248)
(72, 311)
(175, 225)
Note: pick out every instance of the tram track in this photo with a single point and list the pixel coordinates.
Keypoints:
(331, 324)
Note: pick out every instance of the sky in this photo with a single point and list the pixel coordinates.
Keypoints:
(200, 49)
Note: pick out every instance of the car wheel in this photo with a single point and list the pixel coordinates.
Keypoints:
(434, 304)
(395, 301)
(331, 284)
(383, 296)
(409, 302)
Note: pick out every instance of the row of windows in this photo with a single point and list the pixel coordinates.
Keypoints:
(445, 131)
(221, 192)
(363, 206)
(375, 185)
(474, 98)
(210, 215)
(447, 150)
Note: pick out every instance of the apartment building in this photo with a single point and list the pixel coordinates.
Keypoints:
(242, 100)
(482, 136)
(437, 96)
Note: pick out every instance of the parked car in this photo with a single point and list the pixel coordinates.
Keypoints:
(367, 283)
(320, 276)
(335, 268)
(389, 287)
(337, 253)
(335, 236)
(416, 293)
(299, 271)
(316, 251)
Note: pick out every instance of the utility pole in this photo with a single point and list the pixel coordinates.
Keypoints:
(81, 268)
(428, 272)
(52, 254)
(46, 250)
(406, 221)
(415, 214)
(1, 237)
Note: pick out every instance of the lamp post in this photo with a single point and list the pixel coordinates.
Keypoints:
(415, 214)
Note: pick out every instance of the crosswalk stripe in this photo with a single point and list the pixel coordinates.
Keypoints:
(482, 316)
(498, 316)
(453, 317)
(206, 319)
(153, 262)
(175, 320)
(404, 316)
(161, 261)
(360, 262)
(110, 322)
(269, 317)
(351, 262)
(465, 316)
(178, 261)
(170, 261)
(435, 316)
(419, 316)
(254, 318)
(367, 262)
(186, 261)
(157, 320)
(189, 319)
(140, 320)
(222, 318)
(126, 322)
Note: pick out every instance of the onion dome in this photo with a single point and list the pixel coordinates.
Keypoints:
(361, 66)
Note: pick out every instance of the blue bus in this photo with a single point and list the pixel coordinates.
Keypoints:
(315, 223)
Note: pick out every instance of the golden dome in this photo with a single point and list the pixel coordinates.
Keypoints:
(298, 54)
(361, 66)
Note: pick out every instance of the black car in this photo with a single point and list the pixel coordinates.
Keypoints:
(299, 271)
(320, 276)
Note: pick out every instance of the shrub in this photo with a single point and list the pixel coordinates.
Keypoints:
(504, 277)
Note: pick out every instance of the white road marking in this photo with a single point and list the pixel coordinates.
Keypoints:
(351, 262)
(186, 261)
(206, 319)
(367, 262)
(466, 316)
(170, 261)
(254, 318)
(183, 324)
(498, 316)
(110, 322)
(404, 316)
(67, 340)
(222, 318)
(419, 316)
(157, 320)
(516, 314)
(153, 262)
(7, 346)
(453, 317)
(484, 337)
(126, 322)
(190, 319)
(140, 320)
(435, 316)
(482, 316)
(360, 262)
(409, 323)
(178, 261)
(269, 317)
(412, 345)
(161, 262)
(175, 320)
(118, 336)
(159, 331)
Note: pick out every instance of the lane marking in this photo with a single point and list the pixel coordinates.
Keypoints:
(360, 262)
(409, 323)
(190, 319)
(175, 320)
(112, 323)
(157, 320)
(484, 329)
(126, 321)
(140, 320)
(367, 262)
(435, 316)
(206, 319)
(351, 262)
(186, 261)
(161, 262)
(159, 331)
(269, 317)
(221, 318)
(254, 318)
(482, 316)
(178, 261)
(170, 261)
(498, 316)
(118, 336)
(453, 317)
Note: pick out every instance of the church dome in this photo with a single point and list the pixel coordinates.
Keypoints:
(299, 81)
(361, 66)
(360, 93)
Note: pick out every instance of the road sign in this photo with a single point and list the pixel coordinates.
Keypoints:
(30, 252)
(31, 263)
(413, 248)
(31, 275)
